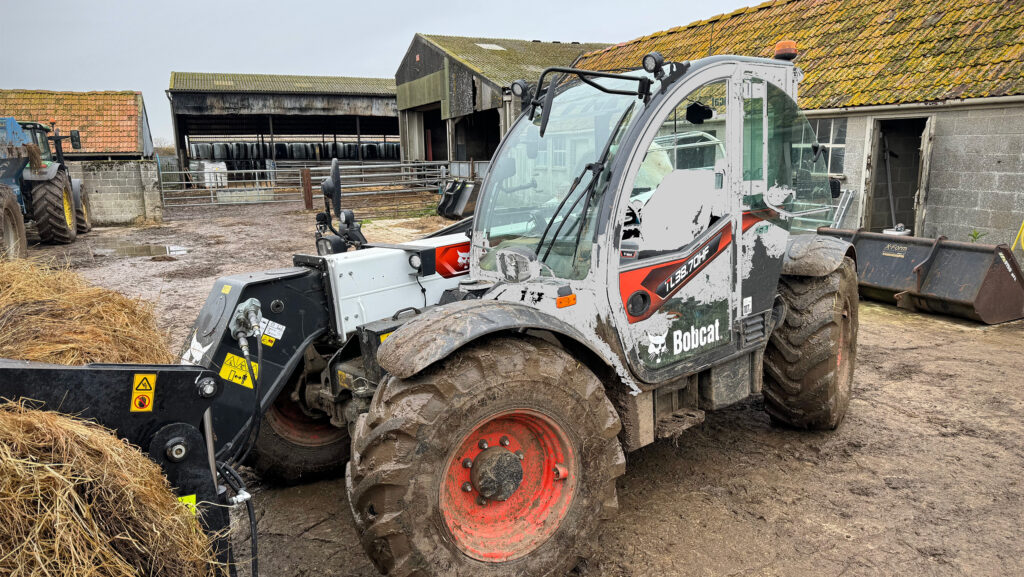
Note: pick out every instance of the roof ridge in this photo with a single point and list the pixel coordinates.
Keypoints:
(173, 72)
(698, 23)
(562, 42)
(48, 91)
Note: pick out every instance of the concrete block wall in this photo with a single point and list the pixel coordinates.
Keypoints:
(119, 191)
(976, 178)
(853, 166)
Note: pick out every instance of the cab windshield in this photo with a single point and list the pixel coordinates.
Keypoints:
(530, 201)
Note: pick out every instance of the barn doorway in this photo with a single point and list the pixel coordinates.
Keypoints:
(435, 135)
(896, 175)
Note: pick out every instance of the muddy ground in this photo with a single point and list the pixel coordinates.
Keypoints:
(923, 478)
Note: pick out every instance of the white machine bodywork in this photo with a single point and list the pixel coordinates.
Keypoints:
(371, 284)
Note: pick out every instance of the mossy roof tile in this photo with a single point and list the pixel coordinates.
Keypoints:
(110, 121)
(505, 60)
(860, 52)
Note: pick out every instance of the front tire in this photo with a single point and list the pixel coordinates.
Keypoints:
(13, 243)
(53, 209)
(293, 447)
(810, 359)
(540, 437)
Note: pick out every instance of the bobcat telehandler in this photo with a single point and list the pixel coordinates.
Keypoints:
(630, 266)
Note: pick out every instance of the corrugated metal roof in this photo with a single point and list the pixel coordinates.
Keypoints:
(281, 83)
(860, 52)
(109, 122)
(503, 60)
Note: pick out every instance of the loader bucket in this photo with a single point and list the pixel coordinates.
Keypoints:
(982, 282)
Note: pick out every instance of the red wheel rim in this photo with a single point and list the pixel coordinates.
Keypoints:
(295, 426)
(504, 530)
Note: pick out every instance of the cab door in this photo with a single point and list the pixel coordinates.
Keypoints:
(676, 284)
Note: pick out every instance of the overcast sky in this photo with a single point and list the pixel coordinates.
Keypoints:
(135, 44)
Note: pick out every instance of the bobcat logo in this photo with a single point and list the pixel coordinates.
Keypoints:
(463, 258)
(656, 347)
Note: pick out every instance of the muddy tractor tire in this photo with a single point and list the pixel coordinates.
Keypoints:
(83, 223)
(53, 209)
(810, 359)
(499, 460)
(13, 243)
(293, 447)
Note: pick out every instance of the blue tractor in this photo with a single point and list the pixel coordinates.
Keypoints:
(36, 188)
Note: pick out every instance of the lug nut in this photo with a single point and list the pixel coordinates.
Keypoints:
(467, 463)
(481, 501)
(482, 444)
(504, 441)
(561, 473)
(467, 487)
(520, 454)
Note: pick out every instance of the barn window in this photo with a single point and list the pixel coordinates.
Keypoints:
(831, 132)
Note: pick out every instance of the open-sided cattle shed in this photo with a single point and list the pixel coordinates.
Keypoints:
(265, 107)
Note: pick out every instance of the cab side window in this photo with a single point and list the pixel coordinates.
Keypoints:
(679, 190)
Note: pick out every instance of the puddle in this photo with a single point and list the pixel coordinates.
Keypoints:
(117, 247)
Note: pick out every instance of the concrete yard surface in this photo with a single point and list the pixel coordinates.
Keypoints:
(924, 477)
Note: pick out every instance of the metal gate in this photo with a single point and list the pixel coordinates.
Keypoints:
(373, 189)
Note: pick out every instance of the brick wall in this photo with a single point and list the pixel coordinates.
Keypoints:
(976, 180)
(119, 191)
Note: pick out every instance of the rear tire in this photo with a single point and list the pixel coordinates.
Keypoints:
(407, 478)
(53, 209)
(810, 359)
(83, 223)
(13, 242)
(293, 447)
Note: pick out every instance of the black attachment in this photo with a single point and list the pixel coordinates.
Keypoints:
(160, 408)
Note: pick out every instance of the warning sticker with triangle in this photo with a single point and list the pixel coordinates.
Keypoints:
(143, 392)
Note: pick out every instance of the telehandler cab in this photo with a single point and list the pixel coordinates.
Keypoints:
(630, 265)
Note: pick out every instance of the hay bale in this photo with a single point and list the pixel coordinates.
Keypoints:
(50, 314)
(77, 501)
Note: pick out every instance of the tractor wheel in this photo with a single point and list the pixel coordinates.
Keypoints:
(810, 358)
(499, 460)
(293, 447)
(83, 223)
(53, 209)
(13, 243)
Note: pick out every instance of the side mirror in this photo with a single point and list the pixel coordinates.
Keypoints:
(697, 113)
(834, 187)
(76, 140)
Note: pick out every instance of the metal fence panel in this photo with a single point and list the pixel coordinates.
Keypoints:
(373, 189)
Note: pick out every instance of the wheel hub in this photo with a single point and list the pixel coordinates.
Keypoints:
(497, 473)
(507, 485)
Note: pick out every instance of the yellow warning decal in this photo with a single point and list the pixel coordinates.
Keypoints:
(143, 392)
(225, 289)
(268, 340)
(189, 501)
(384, 336)
(234, 369)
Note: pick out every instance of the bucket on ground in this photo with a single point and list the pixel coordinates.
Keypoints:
(977, 281)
